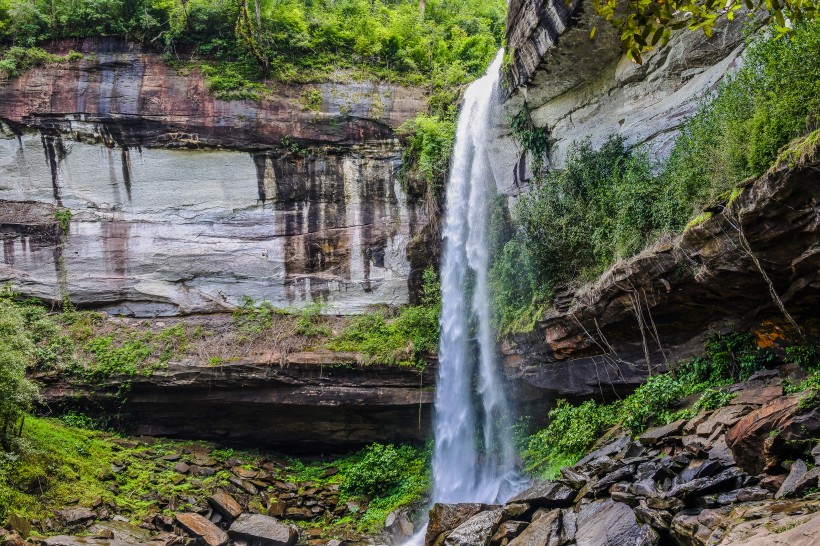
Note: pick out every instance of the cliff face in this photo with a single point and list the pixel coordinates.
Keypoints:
(730, 273)
(182, 202)
(579, 87)
(311, 402)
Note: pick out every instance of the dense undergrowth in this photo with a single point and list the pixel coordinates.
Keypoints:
(608, 203)
(695, 384)
(56, 465)
(240, 45)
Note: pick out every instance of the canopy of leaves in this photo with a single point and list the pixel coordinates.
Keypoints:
(289, 39)
(647, 23)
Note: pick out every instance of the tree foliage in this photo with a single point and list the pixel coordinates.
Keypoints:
(17, 352)
(645, 24)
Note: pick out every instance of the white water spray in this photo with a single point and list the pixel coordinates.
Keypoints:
(474, 458)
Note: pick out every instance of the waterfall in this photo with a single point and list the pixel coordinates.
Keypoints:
(474, 455)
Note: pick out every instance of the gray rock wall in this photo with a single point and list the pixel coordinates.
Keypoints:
(161, 231)
(184, 203)
(579, 88)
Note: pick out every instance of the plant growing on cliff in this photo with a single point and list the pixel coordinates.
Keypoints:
(572, 430)
(644, 24)
(403, 340)
(738, 130)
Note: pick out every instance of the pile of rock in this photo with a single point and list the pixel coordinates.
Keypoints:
(722, 477)
(247, 510)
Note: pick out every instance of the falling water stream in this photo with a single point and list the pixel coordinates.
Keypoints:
(474, 456)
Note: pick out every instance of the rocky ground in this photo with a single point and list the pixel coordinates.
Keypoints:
(196, 495)
(744, 474)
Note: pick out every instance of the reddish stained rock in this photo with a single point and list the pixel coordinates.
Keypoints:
(199, 527)
(755, 448)
(177, 110)
(225, 504)
(760, 396)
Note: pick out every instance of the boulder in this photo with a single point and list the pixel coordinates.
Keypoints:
(547, 495)
(476, 531)
(622, 474)
(446, 517)
(721, 419)
(19, 524)
(728, 479)
(540, 532)
(790, 485)
(757, 396)
(398, 525)
(200, 528)
(75, 516)
(755, 448)
(610, 523)
(658, 434)
(508, 531)
(792, 530)
(261, 530)
(225, 504)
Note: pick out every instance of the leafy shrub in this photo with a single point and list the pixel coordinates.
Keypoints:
(17, 60)
(403, 340)
(428, 145)
(572, 429)
(17, 393)
(738, 130)
(381, 468)
(309, 321)
(712, 399)
(805, 356)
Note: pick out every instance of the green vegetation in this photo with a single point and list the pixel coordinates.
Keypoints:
(739, 130)
(429, 144)
(572, 430)
(403, 340)
(17, 351)
(288, 40)
(62, 462)
(16, 60)
(394, 476)
(609, 203)
(58, 463)
(643, 24)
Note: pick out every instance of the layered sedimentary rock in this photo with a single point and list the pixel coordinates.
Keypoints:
(181, 202)
(578, 87)
(754, 265)
(311, 402)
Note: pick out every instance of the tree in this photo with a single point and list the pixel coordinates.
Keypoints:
(17, 393)
(647, 23)
(249, 31)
